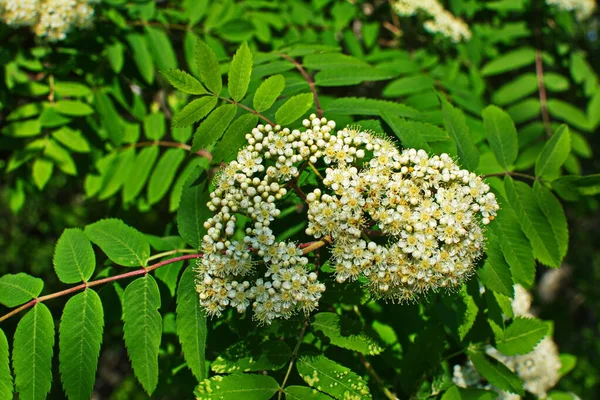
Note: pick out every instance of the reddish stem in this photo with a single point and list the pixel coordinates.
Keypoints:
(161, 143)
(308, 79)
(539, 71)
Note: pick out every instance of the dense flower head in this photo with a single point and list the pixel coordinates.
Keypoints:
(539, 369)
(583, 8)
(405, 222)
(442, 21)
(51, 19)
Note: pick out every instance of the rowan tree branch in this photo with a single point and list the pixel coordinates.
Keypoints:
(309, 80)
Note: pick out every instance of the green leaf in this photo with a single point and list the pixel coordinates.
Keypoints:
(495, 273)
(569, 113)
(239, 73)
(520, 87)
(502, 135)
(570, 187)
(27, 128)
(16, 289)
(72, 89)
(209, 67)
(496, 373)
(175, 196)
(347, 76)
(345, 336)
(194, 111)
(456, 393)
(509, 61)
(212, 128)
(364, 106)
(515, 246)
(268, 92)
(109, 117)
(192, 211)
(332, 378)
(141, 55)
(237, 386)
(6, 380)
(80, 337)
(416, 134)
(593, 110)
(160, 48)
(456, 125)
(304, 393)
(115, 55)
(294, 108)
(32, 353)
(522, 336)
(72, 138)
(555, 214)
(154, 126)
(234, 137)
(163, 174)
(74, 259)
(42, 172)
(123, 244)
(271, 356)
(73, 108)
(61, 157)
(533, 222)
(143, 329)
(138, 176)
(183, 81)
(191, 324)
(408, 85)
(555, 82)
(555, 153)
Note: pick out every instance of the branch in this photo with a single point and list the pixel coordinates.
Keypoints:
(376, 377)
(161, 143)
(539, 71)
(294, 356)
(308, 79)
(85, 285)
(259, 115)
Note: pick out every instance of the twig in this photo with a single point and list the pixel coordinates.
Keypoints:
(293, 358)
(294, 185)
(170, 252)
(539, 71)
(316, 245)
(311, 82)
(161, 143)
(376, 377)
(259, 115)
(85, 285)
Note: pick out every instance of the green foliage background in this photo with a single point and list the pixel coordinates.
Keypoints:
(103, 125)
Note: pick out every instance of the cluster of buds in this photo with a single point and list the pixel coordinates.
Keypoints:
(442, 21)
(51, 19)
(407, 222)
(539, 369)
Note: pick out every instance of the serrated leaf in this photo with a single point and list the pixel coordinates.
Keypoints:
(16, 289)
(304, 393)
(521, 336)
(194, 111)
(193, 211)
(495, 273)
(409, 85)
(42, 172)
(415, 134)
(572, 186)
(164, 173)
(75, 89)
(332, 378)
(72, 138)
(516, 89)
(456, 126)
(364, 106)
(183, 81)
(555, 214)
(509, 61)
(138, 176)
(268, 92)
(515, 246)
(569, 113)
(80, 337)
(6, 380)
(209, 67)
(143, 329)
(123, 244)
(32, 353)
(175, 195)
(554, 154)
(234, 137)
(347, 76)
(533, 222)
(331, 326)
(237, 386)
(212, 128)
(239, 72)
(154, 126)
(272, 356)
(191, 324)
(141, 55)
(502, 135)
(109, 117)
(74, 259)
(496, 373)
(294, 108)
(161, 48)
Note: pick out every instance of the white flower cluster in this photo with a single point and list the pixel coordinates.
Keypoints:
(538, 369)
(442, 22)
(583, 8)
(51, 19)
(424, 214)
